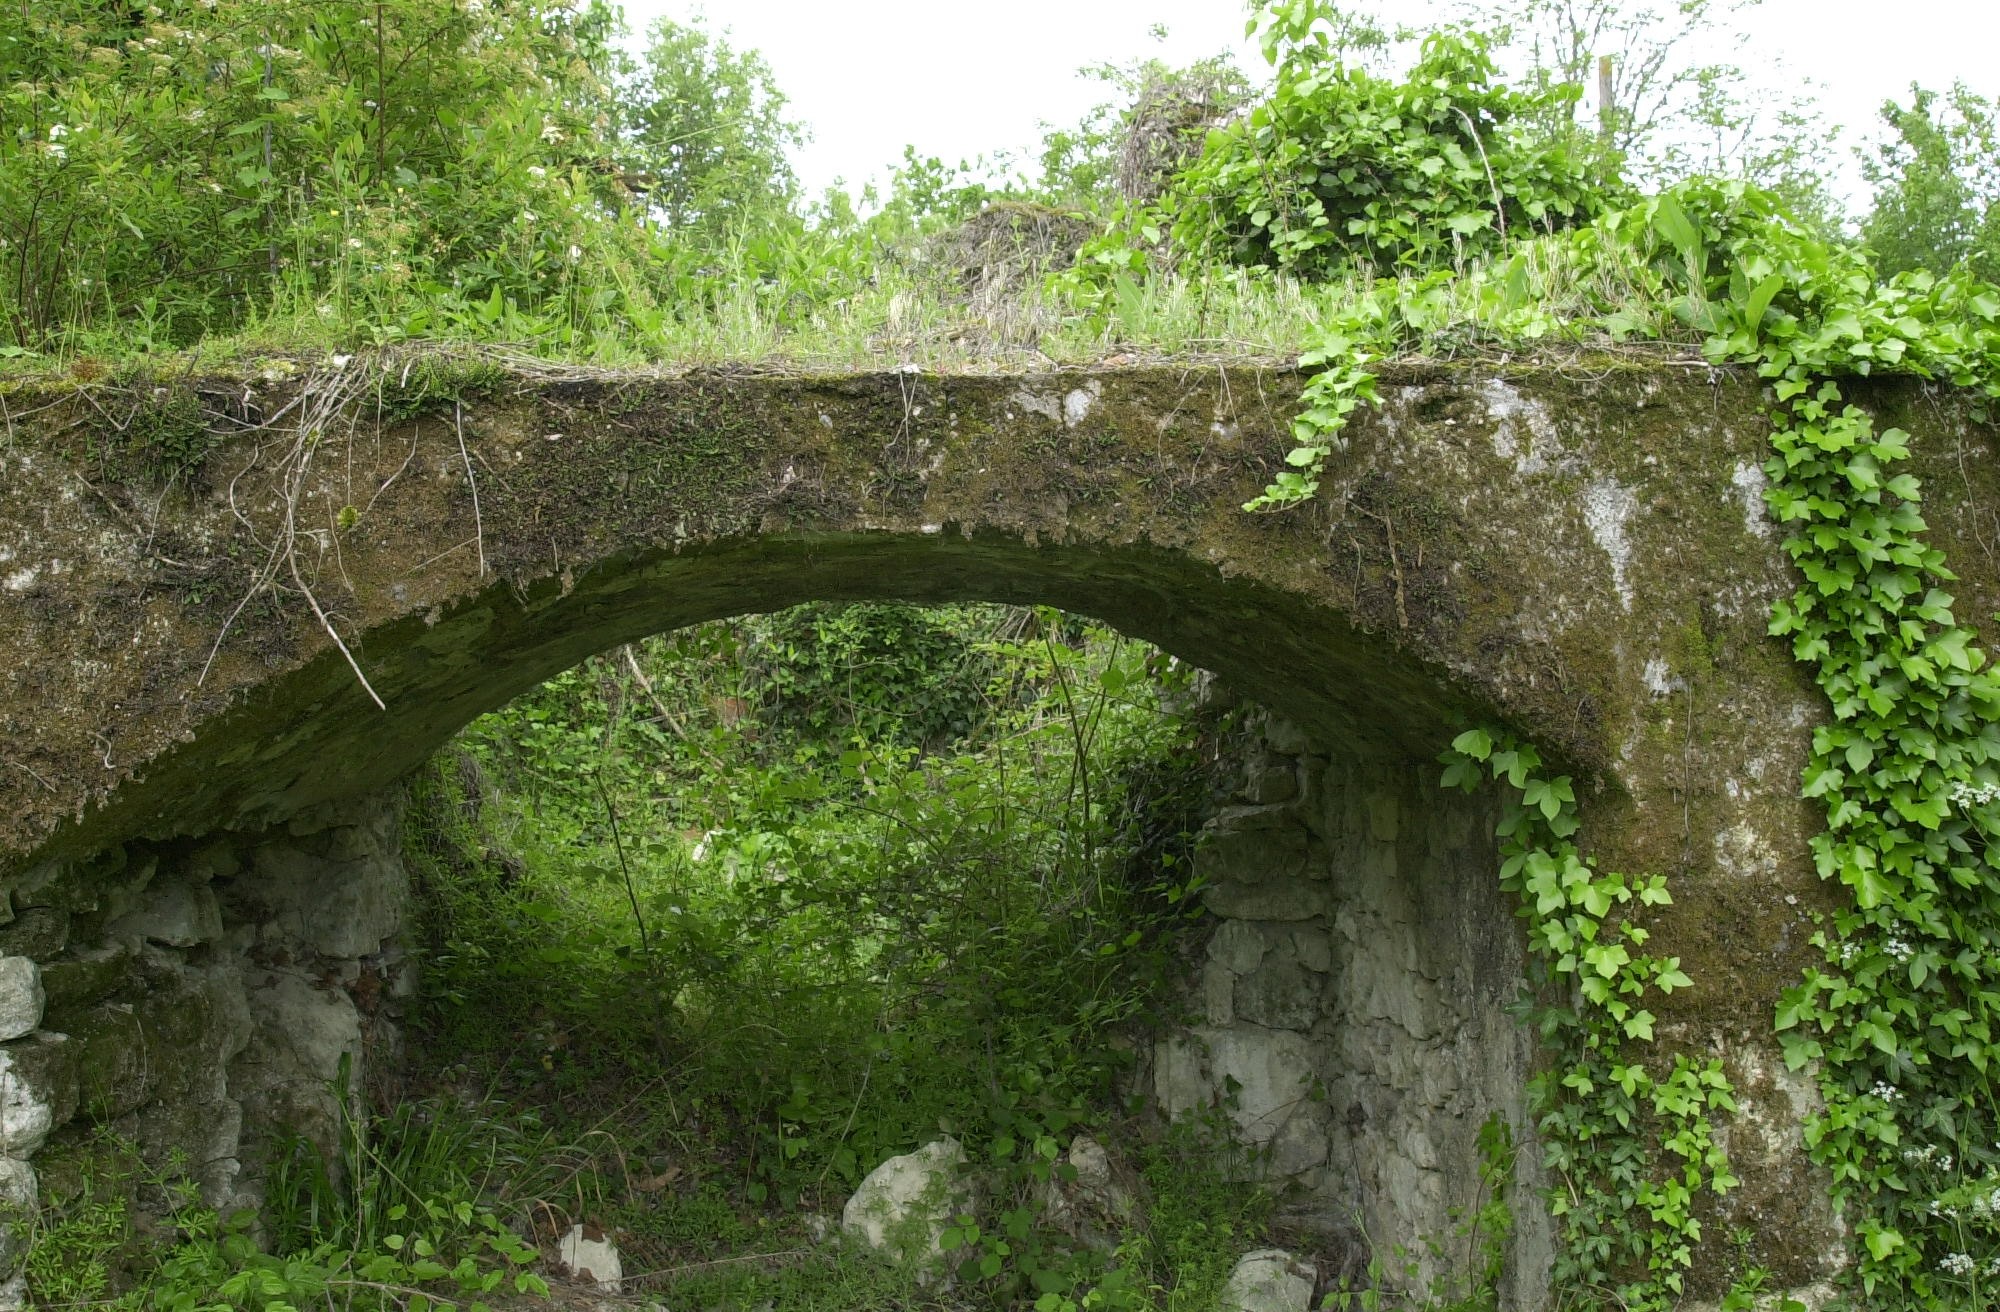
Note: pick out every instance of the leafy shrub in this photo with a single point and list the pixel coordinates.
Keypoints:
(1338, 166)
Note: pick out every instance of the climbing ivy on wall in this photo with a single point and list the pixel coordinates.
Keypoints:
(1902, 1021)
(1903, 1018)
(1626, 1224)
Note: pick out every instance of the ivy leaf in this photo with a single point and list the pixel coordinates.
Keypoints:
(1475, 743)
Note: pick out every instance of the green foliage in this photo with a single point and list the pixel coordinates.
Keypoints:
(1337, 166)
(883, 872)
(880, 674)
(1937, 203)
(91, 1247)
(178, 167)
(1626, 1132)
(1902, 1019)
(702, 133)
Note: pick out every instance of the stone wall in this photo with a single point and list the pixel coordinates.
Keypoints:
(1349, 1003)
(199, 999)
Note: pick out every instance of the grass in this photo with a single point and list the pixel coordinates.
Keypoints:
(818, 316)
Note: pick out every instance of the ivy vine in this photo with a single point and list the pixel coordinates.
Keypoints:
(1901, 1021)
(1628, 1226)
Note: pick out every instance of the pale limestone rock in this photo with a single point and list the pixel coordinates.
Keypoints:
(18, 1184)
(904, 1205)
(21, 997)
(1268, 1280)
(1274, 1079)
(1237, 946)
(27, 1113)
(592, 1258)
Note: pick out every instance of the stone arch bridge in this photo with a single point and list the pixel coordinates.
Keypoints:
(198, 841)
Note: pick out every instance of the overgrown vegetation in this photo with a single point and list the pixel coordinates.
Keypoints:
(843, 880)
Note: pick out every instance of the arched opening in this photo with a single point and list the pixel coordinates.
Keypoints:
(1333, 1014)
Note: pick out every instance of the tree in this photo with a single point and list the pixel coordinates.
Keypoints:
(1937, 185)
(1654, 106)
(704, 128)
(184, 164)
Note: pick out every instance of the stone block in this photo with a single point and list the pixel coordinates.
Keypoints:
(904, 1205)
(1218, 993)
(1268, 1280)
(37, 1093)
(1280, 994)
(1237, 946)
(1268, 783)
(84, 978)
(37, 932)
(18, 1184)
(1313, 948)
(337, 909)
(1278, 898)
(21, 997)
(177, 914)
(1384, 817)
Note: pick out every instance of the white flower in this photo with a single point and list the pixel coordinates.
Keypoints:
(325, 310)
(527, 216)
(342, 361)
(1956, 1264)
(57, 131)
(537, 171)
(1966, 793)
(354, 243)
(57, 150)
(1885, 1091)
(551, 133)
(575, 254)
(1897, 947)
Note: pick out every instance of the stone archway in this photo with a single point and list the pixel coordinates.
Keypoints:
(1581, 555)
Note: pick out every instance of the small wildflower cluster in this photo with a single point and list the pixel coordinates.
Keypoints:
(1966, 795)
(1929, 1155)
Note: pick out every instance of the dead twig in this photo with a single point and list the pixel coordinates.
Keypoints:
(478, 529)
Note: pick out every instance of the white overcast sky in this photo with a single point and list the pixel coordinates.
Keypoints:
(958, 79)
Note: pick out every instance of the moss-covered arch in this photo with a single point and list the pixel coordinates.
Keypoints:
(1579, 553)
(468, 533)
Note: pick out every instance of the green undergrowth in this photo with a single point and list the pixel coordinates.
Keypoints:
(739, 913)
(118, 1233)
